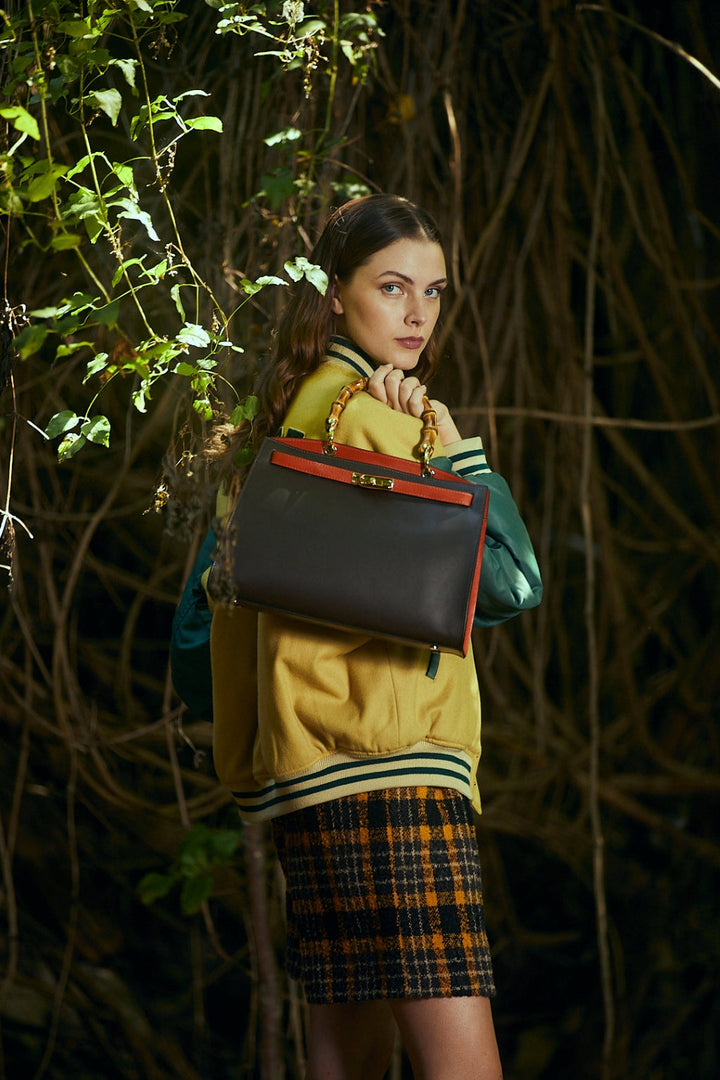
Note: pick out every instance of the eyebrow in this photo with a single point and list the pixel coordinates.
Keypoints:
(409, 280)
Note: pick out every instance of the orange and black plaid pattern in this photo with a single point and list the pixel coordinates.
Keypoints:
(384, 897)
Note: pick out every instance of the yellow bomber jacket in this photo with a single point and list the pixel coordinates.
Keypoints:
(303, 714)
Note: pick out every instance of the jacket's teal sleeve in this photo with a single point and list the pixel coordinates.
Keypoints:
(190, 638)
(509, 579)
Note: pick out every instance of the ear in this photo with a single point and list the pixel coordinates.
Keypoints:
(337, 305)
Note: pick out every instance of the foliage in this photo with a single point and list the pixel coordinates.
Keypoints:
(202, 849)
(67, 70)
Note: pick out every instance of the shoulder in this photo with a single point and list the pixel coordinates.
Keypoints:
(313, 398)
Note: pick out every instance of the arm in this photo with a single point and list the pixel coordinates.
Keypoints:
(510, 579)
(190, 637)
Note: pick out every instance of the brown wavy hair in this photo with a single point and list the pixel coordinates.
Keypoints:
(352, 234)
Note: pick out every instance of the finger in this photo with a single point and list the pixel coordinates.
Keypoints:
(407, 387)
(411, 395)
(393, 382)
(376, 383)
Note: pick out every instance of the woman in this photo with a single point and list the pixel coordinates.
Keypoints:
(364, 753)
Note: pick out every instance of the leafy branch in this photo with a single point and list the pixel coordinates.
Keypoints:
(61, 59)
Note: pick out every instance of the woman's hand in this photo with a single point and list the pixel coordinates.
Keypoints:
(405, 394)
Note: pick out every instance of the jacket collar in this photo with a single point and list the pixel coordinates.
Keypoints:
(342, 348)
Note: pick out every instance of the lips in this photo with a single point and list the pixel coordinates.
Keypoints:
(411, 342)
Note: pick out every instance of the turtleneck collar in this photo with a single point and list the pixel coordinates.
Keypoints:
(342, 348)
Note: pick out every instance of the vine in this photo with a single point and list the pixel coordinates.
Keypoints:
(74, 72)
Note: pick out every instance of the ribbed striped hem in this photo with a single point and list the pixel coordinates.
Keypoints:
(341, 774)
(468, 457)
(341, 348)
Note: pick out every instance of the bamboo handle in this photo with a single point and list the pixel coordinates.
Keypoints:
(426, 446)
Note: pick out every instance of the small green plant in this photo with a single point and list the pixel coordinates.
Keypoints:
(203, 850)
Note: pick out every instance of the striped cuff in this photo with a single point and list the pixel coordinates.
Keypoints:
(423, 764)
(468, 457)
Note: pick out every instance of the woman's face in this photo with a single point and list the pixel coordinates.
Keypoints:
(390, 305)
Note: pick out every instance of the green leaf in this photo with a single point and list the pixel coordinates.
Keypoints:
(175, 293)
(68, 324)
(68, 350)
(302, 267)
(157, 273)
(192, 855)
(317, 277)
(21, 120)
(310, 27)
(80, 301)
(64, 241)
(190, 93)
(124, 267)
(183, 368)
(139, 399)
(94, 225)
(245, 410)
(10, 203)
(97, 430)
(192, 334)
(29, 340)
(203, 408)
(69, 446)
(293, 270)
(132, 210)
(61, 422)
(49, 312)
(80, 165)
(269, 279)
(96, 365)
(108, 101)
(93, 57)
(42, 186)
(288, 134)
(205, 123)
(76, 28)
(154, 887)
(124, 174)
(244, 456)
(224, 843)
(128, 69)
(252, 287)
(195, 892)
(107, 315)
(277, 186)
(84, 205)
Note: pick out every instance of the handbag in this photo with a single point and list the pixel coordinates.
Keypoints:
(356, 540)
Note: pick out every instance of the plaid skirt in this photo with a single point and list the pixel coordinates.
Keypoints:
(384, 897)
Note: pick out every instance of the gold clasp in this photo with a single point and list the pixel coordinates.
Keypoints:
(426, 451)
(366, 480)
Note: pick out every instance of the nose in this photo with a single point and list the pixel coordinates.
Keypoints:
(415, 316)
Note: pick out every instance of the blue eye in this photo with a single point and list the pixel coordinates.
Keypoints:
(390, 285)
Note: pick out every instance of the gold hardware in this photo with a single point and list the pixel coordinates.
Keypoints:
(329, 446)
(425, 449)
(366, 480)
